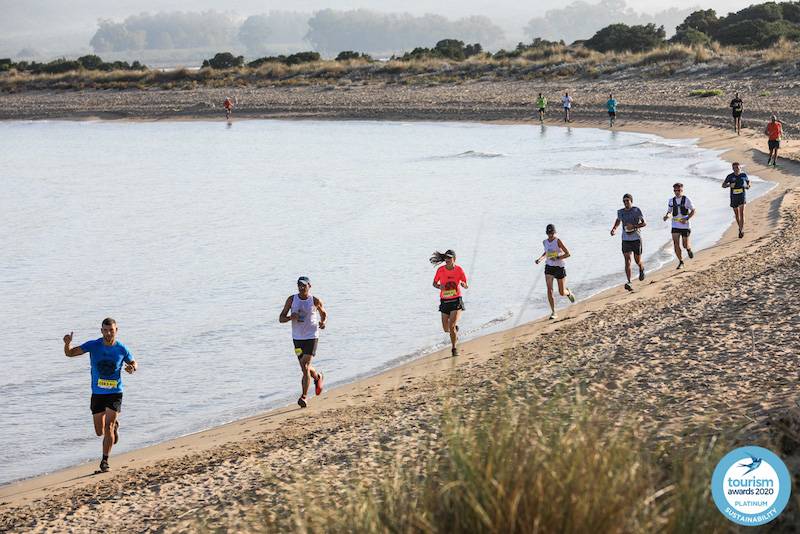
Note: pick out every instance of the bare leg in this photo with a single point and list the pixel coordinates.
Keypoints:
(686, 243)
(563, 290)
(454, 317)
(638, 259)
(738, 217)
(445, 322)
(308, 373)
(548, 280)
(98, 419)
(676, 244)
(108, 431)
(628, 266)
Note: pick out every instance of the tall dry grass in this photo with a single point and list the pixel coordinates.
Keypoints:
(526, 466)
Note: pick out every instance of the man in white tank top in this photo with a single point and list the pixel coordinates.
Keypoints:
(308, 316)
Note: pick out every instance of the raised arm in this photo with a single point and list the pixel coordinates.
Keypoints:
(323, 315)
(70, 351)
(285, 316)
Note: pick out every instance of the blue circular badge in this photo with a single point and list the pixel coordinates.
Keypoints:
(751, 486)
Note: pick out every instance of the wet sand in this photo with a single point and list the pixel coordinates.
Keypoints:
(674, 352)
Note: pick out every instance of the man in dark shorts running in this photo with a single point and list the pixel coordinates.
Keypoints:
(632, 221)
(774, 131)
(737, 106)
(680, 208)
(308, 316)
(611, 105)
(106, 356)
(739, 183)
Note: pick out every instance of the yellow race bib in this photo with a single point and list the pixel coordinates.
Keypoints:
(449, 293)
(107, 384)
(552, 255)
(738, 191)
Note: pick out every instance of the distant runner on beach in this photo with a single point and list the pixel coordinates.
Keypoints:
(308, 316)
(106, 357)
(737, 106)
(541, 104)
(680, 208)
(556, 252)
(611, 104)
(228, 105)
(774, 131)
(739, 183)
(449, 279)
(632, 221)
(566, 102)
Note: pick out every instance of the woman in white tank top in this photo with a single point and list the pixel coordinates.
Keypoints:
(555, 253)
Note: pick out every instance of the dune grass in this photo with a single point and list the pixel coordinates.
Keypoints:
(546, 62)
(522, 466)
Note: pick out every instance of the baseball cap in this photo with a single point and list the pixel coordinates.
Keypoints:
(304, 280)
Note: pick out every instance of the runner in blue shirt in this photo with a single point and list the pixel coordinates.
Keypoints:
(106, 356)
(611, 104)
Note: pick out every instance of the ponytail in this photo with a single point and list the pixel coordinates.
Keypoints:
(439, 257)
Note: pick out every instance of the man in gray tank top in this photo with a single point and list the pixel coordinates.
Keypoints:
(632, 222)
(308, 316)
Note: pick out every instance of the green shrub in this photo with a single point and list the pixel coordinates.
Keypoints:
(224, 60)
(349, 54)
(691, 37)
(705, 92)
(622, 38)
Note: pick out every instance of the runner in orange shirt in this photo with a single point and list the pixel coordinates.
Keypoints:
(774, 130)
(228, 105)
(449, 280)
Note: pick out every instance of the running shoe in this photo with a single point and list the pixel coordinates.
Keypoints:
(104, 466)
(628, 286)
(680, 265)
(741, 234)
(302, 402)
(553, 317)
(454, 351)
(318, 383)
(571, 297)
(116, 432)
(641, 275)
(691, 254)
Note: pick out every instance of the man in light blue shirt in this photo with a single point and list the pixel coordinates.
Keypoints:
(611, 104)
(106, 356)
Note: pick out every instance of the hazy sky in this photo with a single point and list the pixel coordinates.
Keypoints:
(56, 24)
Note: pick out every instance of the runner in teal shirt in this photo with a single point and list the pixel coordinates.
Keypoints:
(611, 104)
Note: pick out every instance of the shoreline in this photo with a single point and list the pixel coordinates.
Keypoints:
(394, 381)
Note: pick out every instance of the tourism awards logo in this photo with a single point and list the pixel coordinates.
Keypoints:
(751, 486)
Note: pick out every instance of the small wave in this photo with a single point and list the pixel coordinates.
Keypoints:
(472, 154)
(580, 168)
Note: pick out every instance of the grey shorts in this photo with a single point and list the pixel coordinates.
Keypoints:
(632, 246)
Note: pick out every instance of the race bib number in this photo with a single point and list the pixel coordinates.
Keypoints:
(107, 384)
(449, 293)
(552, 255)
(678, 219)
(738, 191)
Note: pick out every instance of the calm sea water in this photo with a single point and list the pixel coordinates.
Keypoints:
(192, 234)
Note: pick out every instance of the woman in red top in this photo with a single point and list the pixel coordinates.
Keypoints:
(449, 280)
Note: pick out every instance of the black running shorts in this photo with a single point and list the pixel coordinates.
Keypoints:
(450, 305)
(555, 271)
(737, 200)
(100, 402)
(305, 346)
(682, 231)
(632, 246)
(612, 114)
(774, 144)
(737, 114)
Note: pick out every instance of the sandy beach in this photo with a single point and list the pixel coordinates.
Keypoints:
(674, 351)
